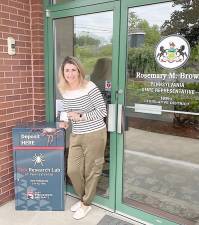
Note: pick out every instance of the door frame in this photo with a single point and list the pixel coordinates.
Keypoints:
(122, 208)
(62, 11)
(120, 26)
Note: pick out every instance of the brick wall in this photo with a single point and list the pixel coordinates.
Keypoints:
(21, 78)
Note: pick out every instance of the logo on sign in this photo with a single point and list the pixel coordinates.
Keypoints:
(30, 195)
(172, 52)
(108, 85)
(38, 159)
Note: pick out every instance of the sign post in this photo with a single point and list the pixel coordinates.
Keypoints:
(39, 168)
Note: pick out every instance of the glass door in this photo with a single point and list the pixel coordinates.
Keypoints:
(89, 33)
(158, 169)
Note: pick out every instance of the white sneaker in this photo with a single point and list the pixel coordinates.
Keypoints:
(81, 212)
(76, 206)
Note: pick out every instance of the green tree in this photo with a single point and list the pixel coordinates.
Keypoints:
(86, 40)
(142, 58)
(152, 33)
(184, 21)
(133, 21)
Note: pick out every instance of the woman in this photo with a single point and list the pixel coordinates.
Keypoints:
(86, 109)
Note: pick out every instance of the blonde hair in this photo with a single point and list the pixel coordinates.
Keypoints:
(62, 82)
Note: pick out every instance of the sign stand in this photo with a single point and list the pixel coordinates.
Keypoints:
(39, 168)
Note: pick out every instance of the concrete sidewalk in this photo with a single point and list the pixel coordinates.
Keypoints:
(9, 216)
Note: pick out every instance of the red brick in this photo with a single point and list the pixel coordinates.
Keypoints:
(37, 32)
(12, 97)
(27, 96)
(36, 7)
(25, 38)
(3, 160)
(3, 172)
(7, 165)
(27, 20)
(19, 68)
(17, 4)
(24, 25)
(22, 12)
(20, 103)
(8, 182)
(6, 92)
(13, 109)
(17, 18)
(11, 62)
(36, 14)
(3, 136)
(9, 187)
(26, 74)
(24, 50)
(38, 20)
(4, 15)
(25, 62)
(5, 79)
(37, 26)
(9, 9)
(26, 6)
(9, 23)
(16, 81)
(38, 45)
(5, 68)
(2, 111)
(7, 177)
(4, 2)
(2, 98)
(9, 117)
(20, 91)
(16, 30)
(26, 108)
(2, 74)
(6, 199)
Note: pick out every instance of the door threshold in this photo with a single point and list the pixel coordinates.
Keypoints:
(116, 214)
(134, 219)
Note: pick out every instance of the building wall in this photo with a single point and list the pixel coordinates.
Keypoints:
(21, 78)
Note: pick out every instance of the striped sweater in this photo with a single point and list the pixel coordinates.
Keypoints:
(88, 101)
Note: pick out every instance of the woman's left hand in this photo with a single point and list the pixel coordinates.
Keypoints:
(74, 116)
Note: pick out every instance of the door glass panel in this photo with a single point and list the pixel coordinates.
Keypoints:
(89, 37)
(161, 140)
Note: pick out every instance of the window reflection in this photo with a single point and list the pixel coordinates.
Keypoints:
(89, 37)
(93, 38)
(161, 166)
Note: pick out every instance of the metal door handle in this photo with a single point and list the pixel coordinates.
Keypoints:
(111, 117)
(120, 119)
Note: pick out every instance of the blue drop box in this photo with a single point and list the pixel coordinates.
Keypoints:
(39, 167)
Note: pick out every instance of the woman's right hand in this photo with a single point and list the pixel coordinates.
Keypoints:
(63, 124)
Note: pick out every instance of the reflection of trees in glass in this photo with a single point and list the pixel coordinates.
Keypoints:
(152, 34)
(86, 40)
(89, 49)
(133, 22)
(184, 21)
(142, 58)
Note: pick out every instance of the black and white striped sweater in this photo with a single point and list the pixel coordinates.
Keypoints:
(88, 101)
